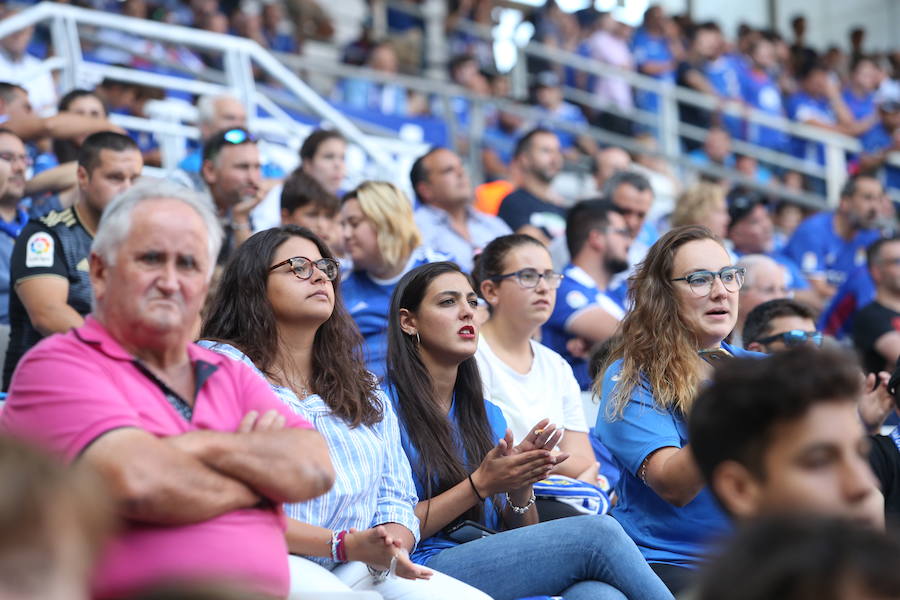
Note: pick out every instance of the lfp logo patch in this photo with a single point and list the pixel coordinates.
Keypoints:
(39, 250)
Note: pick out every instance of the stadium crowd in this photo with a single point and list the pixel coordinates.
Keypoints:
(449, 395)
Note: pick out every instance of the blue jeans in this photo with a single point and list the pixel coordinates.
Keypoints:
(580, 558)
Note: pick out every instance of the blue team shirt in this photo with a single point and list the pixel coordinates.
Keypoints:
(876, 140)
(802, 107)
(577, 292)
(724, 75)
(646, 47)
(860, 108)
(664, 533)
(856, 292)
(821, 252)
(430, 547)
(760, 91)
(368, 301)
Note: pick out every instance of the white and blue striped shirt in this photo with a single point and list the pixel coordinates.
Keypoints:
(373, 483)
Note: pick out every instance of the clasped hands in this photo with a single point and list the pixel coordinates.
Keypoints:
(509, 468)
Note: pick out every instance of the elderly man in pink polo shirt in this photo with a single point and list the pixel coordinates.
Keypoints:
(197, 451)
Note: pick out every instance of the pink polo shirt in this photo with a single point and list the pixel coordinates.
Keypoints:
(71, 389)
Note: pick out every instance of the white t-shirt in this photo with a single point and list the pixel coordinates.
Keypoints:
(548, 390)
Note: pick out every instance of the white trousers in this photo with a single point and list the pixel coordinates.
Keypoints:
(312, 581)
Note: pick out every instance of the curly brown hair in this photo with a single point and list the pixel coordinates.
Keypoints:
(657, 347)
(240, 314)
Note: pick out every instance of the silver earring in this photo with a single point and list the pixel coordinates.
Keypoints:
(418, 340)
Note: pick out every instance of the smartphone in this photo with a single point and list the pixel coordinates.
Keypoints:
(466, 531)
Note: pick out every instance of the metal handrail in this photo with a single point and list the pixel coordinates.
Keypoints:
(239, 53)
(445, 91)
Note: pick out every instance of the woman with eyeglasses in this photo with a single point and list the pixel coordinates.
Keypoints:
(473, 478)
(684, 304)
(278, 309)
(524, 378)
(382, 239)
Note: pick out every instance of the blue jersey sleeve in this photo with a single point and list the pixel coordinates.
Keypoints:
(805, 251)
(641, 429)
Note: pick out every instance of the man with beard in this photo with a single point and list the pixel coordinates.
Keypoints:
(51, 287)
(233, 173)
(598, 240)
(876, 328)
(534, 208)
(445, 215)
(829, 245)
(13, 163)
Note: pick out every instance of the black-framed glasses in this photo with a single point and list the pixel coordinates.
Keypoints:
(794, 337)
(529, 278)
(701, 282)
(303, 267)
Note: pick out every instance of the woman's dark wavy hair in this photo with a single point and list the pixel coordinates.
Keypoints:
(440, 466)
(240, 314)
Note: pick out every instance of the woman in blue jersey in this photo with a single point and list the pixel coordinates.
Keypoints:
(278, 309)
(685, 302)
(471, 475)
(381, 237)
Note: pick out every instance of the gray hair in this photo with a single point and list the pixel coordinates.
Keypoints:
(631, 178)
(206, 106)
(753, 262)
(115, 225)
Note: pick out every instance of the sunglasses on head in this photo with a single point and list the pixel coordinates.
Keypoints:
(233, 137)
(238, 136)
(794, 337)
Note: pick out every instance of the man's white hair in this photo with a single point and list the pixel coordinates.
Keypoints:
(753, 263)
(206, 106)
(115, 224)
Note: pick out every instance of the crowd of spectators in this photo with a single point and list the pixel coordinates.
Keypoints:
(250, 380)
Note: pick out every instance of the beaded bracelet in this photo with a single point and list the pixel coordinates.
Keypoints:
(520, 510)
(334, 546)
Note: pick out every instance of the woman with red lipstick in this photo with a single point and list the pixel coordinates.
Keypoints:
(473, 479)
(278, 309)
(684, 303)
(527, 380)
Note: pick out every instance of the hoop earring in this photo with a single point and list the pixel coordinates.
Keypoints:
(418, 340)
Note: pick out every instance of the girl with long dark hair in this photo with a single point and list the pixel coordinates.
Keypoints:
(471, 476)
(278, 309)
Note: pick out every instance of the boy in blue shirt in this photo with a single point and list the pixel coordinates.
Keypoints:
(782, 434)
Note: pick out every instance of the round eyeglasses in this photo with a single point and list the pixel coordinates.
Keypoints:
(701, 282)
(303, 267)
(529, 278)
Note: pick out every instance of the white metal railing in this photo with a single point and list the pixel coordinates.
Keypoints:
(445, 92)
(666, 121)
(69, 27)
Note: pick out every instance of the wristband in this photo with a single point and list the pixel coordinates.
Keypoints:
(341, 550)
(475, 489)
